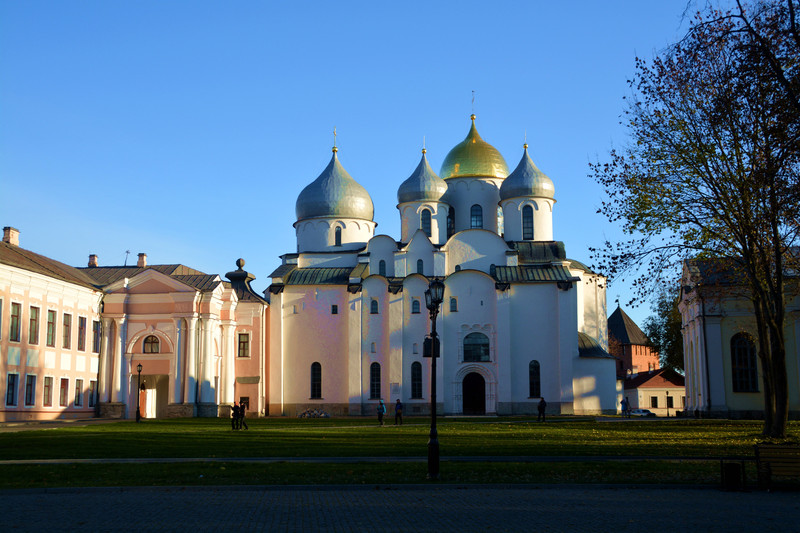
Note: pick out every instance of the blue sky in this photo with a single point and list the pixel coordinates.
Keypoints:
(186, 130)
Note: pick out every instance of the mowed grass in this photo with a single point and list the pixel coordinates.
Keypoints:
(681, 440)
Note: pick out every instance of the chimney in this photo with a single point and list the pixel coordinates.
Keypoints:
(142, 262)
(93, 261)
(11, 236)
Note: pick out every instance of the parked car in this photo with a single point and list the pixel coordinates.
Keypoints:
(642, 412)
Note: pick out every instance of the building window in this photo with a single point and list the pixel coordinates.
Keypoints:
(654, 402)
(476, 217)
(420, 266)
(316, 381)
(334, 309)
(11, 389)
(534, 380)
(451, 222)
(92, 393)
(476, 348)
(82, 333)
(67, 337)
(415, 348)
(63, 392)
(425, 222)
(415, 306)
(373, 348)
(416, 380)
(373, 307)
(30, 389)
(744, 368)
(78, 392)
(374, 381)
(151, 344)
(51, 328)
(527, 223)
(33, 326)
(670, 402)
(243, 349)
(96, 332)
(337, 236)
(13, 332)
(453, 305)
(47, 396)
(382, 268)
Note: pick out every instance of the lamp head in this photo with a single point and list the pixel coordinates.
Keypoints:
(139, 367)
(437, 291)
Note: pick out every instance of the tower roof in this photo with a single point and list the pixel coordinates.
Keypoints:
(473, 157)
(624, 329)
(526, 180)
(334, 194)
(422, 185)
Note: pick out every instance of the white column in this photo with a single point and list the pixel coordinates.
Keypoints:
(120, 369)
(103, 370)
(190, 380)
(227, 381)
(178, 375)
(207, 371)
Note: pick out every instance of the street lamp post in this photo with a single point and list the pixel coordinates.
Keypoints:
(138, 392)
(667, 404)
(433, 299)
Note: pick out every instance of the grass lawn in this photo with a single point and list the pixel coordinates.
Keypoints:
(359, 437)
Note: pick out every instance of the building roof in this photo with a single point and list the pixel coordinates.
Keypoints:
(532, 274)
(588, 346)
(527, 181)
(21, 258)
(319, 276)
(334, 194)
(240, 284)
(656, 379)
(539, 252)
(103, 276)
(624, 329)
(423, 185)
(473, 157)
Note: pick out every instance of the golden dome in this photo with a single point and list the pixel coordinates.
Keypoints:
(474, 157)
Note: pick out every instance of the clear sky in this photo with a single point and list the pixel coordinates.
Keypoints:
(186, 130)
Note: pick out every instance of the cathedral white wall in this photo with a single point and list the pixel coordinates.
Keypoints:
(375, 337)
(420, 248)
(319, 234)
(475, 249)
(463, 193)
(592, 309)
(594, 384)
(542, 218)
(410, 220)
(328, 260)
(381, 248)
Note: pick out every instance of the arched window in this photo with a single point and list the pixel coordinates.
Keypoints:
(744, 369)
(416, 380)
(382, 268)
(527, 223)
(420, 266)
(476, 348)
(374, 381)
(453, 305)
(337, 236)
(451, 222)
(316, 381)
(151, 344)
(425, 221)
(476, 216)
(534, 380)
(415, 306)
(373, 307)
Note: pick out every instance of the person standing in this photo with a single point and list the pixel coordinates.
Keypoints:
(542, 406)
(242, 410)
(381, 412)
(624, 406)
(235, 416)
(398, 412)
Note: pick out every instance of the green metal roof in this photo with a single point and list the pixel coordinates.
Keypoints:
(539, 252)
(532, 274)
(319, 276)
(589, 347)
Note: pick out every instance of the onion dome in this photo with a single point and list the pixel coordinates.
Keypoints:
(474, 157)
(334, 194)
(423, 185)
(527, 180)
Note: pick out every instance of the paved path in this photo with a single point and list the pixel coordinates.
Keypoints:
(540, 508)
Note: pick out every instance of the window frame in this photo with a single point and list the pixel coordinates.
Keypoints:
(334, 309)
(373, 307)
(476, 216)
(382, 268)
(527, 223)
(97, 333)
(243, 345)
(63, 392)
(52, 328)
(82, 333)
(420, 267)
(33, 324)
(534, 379)
(12, 389)
(47, 392)
(151, 344)
(481, 357)
(425, 225)
(66, 334)
(92, 400)
(78, 392)
(415, 306)
(316, 381)
(375, 381)
(30, 390)
(15, 323)
(453, 304)
(337, 236)
(416, 380)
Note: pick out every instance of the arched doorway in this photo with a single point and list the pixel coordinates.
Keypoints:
(474, 394)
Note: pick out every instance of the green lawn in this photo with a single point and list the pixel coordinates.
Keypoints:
(357, 437)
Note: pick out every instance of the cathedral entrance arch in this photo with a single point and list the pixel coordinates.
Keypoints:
(474, 394)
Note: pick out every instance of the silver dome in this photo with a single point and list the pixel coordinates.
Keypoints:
(423, 185)
(334, 194)
(527, 180)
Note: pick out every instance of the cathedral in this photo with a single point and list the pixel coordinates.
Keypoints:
(520, 321)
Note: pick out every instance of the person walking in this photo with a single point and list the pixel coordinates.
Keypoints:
(242, 410)
(235, 416)
(381, 412)
(398, 412)
(542, 406)
(624, 406)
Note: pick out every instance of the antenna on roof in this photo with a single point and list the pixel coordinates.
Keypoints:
(473, 102)
(127, 253)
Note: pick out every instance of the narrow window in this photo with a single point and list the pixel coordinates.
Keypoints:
(11, 388)
(30, 389)
(151, 344)
(415, 306)
(78, 392)
(33, 327)
(670, 402)
(243, 347)
(453, 305)
(382, 268)
(420, 267)
(373, 348)
(425, 222)
(451, 222)
(476, 217)
(334, 309)
(47, 396)
(63, 392)
(82, 333)
(96, 336)
(534, 380)
(501, 225)
(476, 347)
(744, 369)
(67, 337)
(373, 307)
(374, 381)
(527, 223)
(337, 236)
(654, 402)
(316, 381)
(92, 393)
(415, 348)
(51, 328)
(416, 380)
(13, 332)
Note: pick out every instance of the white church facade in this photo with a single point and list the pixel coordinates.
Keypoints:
(519, 322)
